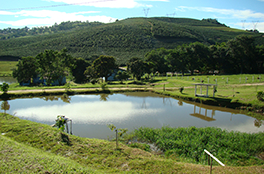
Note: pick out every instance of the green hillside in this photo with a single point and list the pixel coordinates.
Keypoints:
(125, 39)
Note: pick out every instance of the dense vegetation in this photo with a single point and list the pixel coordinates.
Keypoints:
(10, 33)
(232, 148)
(49, 66)
(238, 55)
(124, 39)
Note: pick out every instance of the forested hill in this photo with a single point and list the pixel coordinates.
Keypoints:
(126, 38)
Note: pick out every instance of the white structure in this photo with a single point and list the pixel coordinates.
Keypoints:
(201, 91)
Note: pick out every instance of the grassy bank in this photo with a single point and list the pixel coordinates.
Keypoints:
(6, 68)
(28, 147)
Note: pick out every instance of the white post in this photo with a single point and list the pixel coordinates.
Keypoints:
(206, 91)
(195, 89)
(252, 78)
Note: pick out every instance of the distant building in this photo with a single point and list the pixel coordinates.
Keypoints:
(112, 77)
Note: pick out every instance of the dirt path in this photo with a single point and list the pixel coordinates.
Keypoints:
(93, 89)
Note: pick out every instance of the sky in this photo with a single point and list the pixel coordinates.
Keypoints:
(240, 14)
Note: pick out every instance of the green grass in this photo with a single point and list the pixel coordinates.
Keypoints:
(6, 67)
(19, 158)
(28, 147)
(232, 148)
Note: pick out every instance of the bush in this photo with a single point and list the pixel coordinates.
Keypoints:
(181, 89)
(260, 95)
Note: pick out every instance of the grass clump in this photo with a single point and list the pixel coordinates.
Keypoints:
(232, 148)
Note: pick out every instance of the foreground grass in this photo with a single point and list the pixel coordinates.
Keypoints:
(28, 147)
(19, 158)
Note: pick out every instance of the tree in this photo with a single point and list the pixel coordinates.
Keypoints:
(241, 50)
(4, 87)
(104, 66)
(121, 76)
(5, 106)
(157, 61)
(137, 67)
(90, 74)
(26, 69)
(198, 56)
(53, 65)
(177, 59)
(78, 70)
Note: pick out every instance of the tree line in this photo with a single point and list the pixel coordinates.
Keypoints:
(238, 55)
(9, 33)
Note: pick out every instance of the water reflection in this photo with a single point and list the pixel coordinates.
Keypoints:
(92, 113)
(5, 106)
(203, 116)
(65, 98)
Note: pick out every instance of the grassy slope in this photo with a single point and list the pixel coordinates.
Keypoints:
(6, 67)
(28, 147)
(125, 38)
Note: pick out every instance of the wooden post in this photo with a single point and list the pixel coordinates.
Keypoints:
(71, 128)
(214, 92)
(116, 139)
(211, 165)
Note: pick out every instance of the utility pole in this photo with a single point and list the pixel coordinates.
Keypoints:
(243, 24)
(146, 11)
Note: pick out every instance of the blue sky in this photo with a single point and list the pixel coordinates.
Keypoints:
(241, 14)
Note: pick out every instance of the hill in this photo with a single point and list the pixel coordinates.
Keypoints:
(124, 39)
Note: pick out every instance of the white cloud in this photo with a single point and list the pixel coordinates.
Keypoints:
(110, 3)
(240, 14)
(49, 17)
(103, 3)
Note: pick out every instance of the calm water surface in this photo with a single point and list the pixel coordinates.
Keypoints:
(92, 113)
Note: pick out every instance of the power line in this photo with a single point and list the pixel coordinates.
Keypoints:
(59, 5)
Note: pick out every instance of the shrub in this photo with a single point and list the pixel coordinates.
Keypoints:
(260, 95)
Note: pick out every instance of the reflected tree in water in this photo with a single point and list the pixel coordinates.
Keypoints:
(180, 103)
(65, 98)
(5, 106)
(104, 97)
(257, 123)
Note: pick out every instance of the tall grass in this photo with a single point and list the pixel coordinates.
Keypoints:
(232, 148)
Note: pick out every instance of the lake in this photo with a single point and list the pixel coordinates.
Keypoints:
(91, 114)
